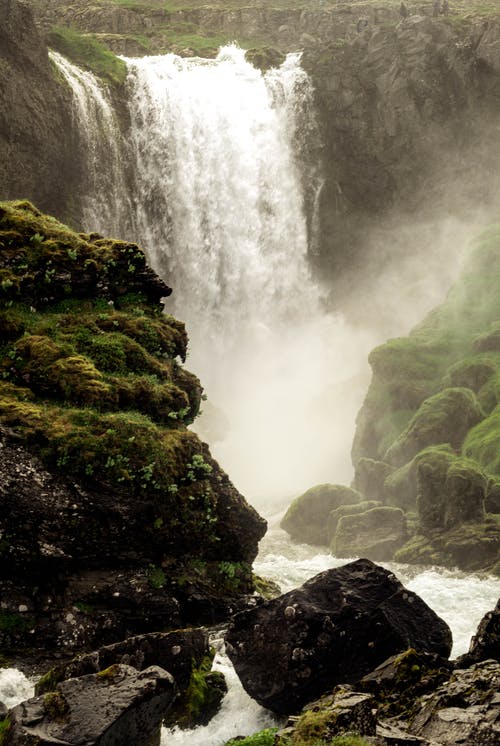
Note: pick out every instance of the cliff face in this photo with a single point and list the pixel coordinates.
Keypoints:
(407, 109)
(410, 115)
(38, 145)
(114, 519)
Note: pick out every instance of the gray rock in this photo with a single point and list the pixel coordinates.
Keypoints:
(117, 706)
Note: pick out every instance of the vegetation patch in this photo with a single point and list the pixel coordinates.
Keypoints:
(85, 51)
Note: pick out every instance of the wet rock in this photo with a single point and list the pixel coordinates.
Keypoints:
(464, 711)
(370, 476)
(334, 629)
(486, 642)
(307, 517)
(376, 533)
(117, 706)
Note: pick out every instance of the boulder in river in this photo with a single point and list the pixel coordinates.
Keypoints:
(119, 705)
(334, 629)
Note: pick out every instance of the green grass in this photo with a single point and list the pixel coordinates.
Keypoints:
(85, 51)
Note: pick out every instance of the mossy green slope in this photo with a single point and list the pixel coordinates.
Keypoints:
(91, 381)
(432, 413)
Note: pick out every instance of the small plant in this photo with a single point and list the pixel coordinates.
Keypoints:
(156, 577)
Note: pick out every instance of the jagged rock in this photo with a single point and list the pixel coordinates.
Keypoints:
(466, 710)
(486, 642)
(176, 652)
(185, 654)
(117, 706)
(307, 517)
(334, 629)
(344, 711)
(376, 533)
(400, 680)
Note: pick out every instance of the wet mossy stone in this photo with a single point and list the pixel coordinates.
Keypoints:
(472, 373)
(306, 519)
(470, 547)
(450, 490)
(483, 443)
(369, 478)
(400, 487)
(488, 341)
(376, 533)
(338, 513)
(263, 58)
(492, 497)
(445, 417)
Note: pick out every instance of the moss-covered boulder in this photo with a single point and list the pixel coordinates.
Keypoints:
(102, 485)
(307, 517)
(400, 487)
(445, 417)
(338, 513)
(370, 476)
(376, 533)
(450, 490)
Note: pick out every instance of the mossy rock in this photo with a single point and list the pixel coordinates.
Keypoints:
(492, 496)
(457, 343)
(445, 417)
(400, 487)
(472, 373)
(263, 58)
(450, 489)
(203, 697)
(338, 513)
(264, 737)
(376, 534)
(307, 517)
(369, 478)
(471, 547)
(483, 443)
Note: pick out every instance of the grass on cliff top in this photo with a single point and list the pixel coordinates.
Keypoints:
(85, 51)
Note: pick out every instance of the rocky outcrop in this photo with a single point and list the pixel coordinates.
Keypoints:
(117, 705)
(307, 517)
(39, 147)
(114, 518)
(486, 642)
(334, 629)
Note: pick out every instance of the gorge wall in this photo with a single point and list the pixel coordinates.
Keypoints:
(407, 110)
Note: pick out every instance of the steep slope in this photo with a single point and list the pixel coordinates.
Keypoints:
(114, 518)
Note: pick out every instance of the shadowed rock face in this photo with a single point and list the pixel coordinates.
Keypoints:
(334, 629)
(39, 149)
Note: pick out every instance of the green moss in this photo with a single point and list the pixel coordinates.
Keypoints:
(201, 698)
(445, 417)
(48, 682)
(87, 52)
(263, 738)
(344, 510)
(56, 706)
(483, 443)
(307, 517)
(375, 533)
(5, 726)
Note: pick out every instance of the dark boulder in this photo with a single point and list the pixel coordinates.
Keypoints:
(116, 706)
(177, 652)
(486, 642)
(334, 629)
(464, 711)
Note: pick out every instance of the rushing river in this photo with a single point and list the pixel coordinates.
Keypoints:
(218, 190)
(460, 599)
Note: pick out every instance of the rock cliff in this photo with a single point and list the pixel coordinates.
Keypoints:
(114, 519)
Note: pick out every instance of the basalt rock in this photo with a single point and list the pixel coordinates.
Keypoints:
(334, 629)
(116, 706)
(466, 710)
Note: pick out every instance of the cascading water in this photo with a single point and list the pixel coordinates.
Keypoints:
(219, 203)
(103, 189)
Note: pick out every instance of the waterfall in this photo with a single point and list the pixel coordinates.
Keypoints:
(103, 189)
(221, 188)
